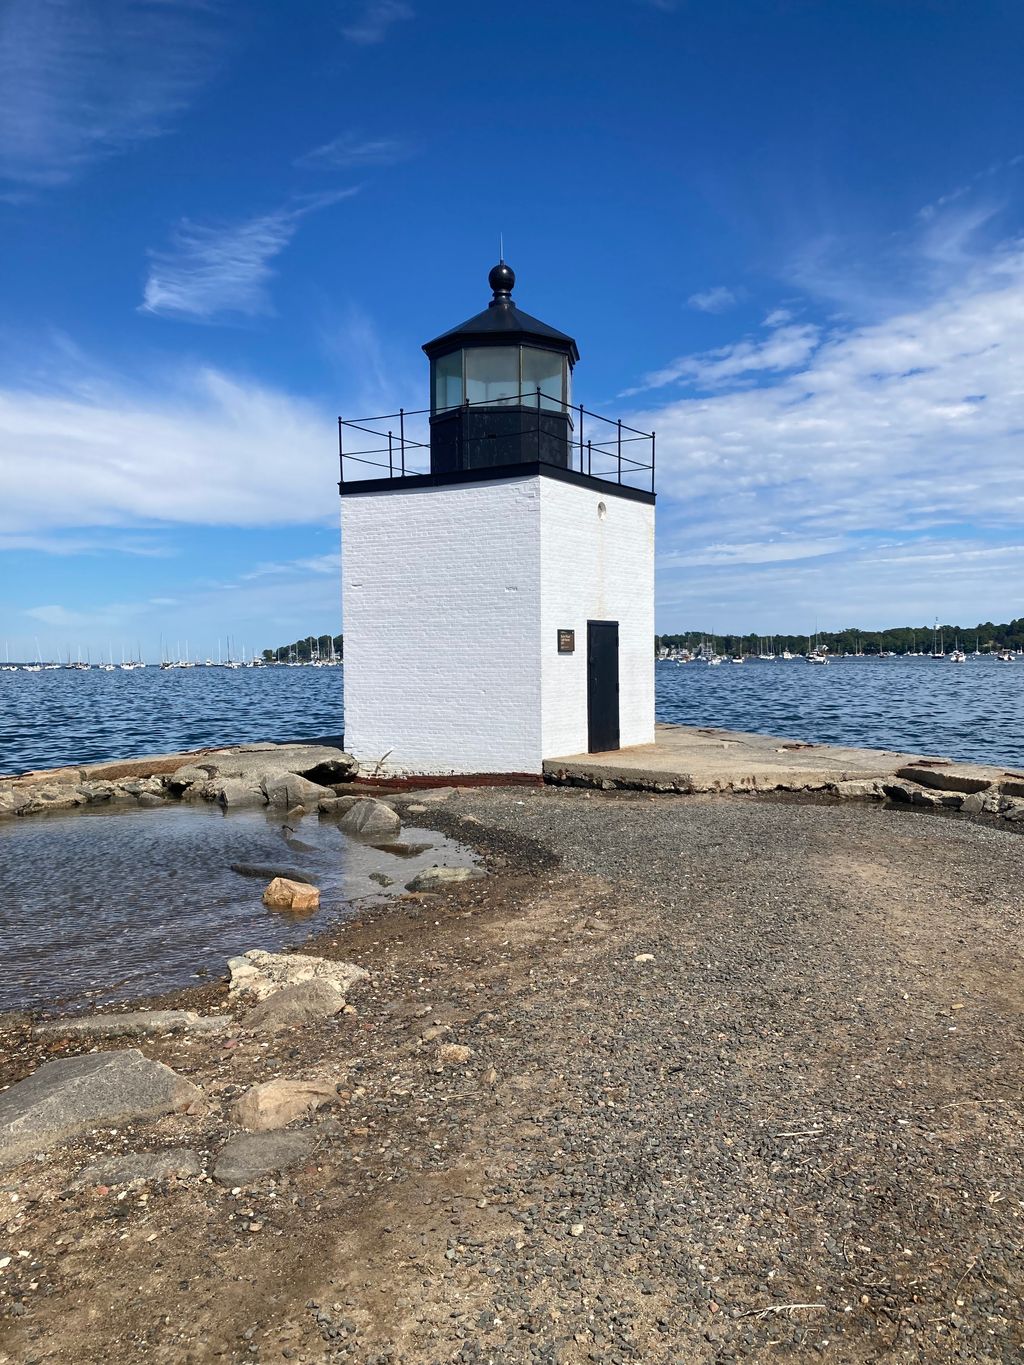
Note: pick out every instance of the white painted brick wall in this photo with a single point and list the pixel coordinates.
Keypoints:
(452, 600)
(596, 568)
(441, 591)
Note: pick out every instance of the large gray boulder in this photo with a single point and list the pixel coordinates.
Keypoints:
(371, 819)
(296, 1005)
(74, 1094)
(190, 775)
(287, 790)
(250, 1156)
(134, 1023)
(141, 786)
(318, 762)
(235, 793)
(134, 1167)
(439, 878)
(337, 805)
(252, 764)
(984, 803)
(859, 789)
(53, 798)
(259, 973)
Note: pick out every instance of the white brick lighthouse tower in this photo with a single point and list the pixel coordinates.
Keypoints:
(499, 574)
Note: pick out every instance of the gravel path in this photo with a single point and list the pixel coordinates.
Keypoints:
(809, 1094)
(744, 1084)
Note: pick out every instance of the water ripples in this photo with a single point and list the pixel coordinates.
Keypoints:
(105, 905)
(966, 711)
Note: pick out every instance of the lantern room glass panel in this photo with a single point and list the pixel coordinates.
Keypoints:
(544, 370)
(492, 375)
(448, 381)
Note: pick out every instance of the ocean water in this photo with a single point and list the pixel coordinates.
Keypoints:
(48, 719)
(104, 905)
(967, 711)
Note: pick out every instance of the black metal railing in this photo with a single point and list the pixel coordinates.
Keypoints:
(401, 441)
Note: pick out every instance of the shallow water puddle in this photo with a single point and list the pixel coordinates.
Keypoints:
(98, 906)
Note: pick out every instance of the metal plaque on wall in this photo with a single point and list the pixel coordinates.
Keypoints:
(567, 642)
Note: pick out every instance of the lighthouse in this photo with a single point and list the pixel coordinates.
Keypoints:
(497, 562)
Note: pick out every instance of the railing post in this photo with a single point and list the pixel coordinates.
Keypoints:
(538, 424)
(391, 458)
(340, 456)
(619, 426)
(581, 438)
(590, 459)
(653, 435)
(401, 430)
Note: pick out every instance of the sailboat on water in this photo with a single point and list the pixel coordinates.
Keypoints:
(817, 653)
(37, 667)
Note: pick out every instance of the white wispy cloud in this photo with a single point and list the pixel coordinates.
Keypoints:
(103, 543)
(785, 550)
(718, 299)
(196, 447)
(376, 374)
(949, 238)
(309, 564)
(911, 422)
(369, 21)
(218, 269)
(872, 278)
(786, 348)
(981, 180)
(103, 616)
(349, 150)
(777, 317)
(81, 80)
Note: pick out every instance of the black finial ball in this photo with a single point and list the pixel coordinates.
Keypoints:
(502, 278)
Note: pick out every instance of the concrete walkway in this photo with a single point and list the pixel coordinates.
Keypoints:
(700, 759)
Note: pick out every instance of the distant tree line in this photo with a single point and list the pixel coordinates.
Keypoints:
(312, 647)
(853, 640)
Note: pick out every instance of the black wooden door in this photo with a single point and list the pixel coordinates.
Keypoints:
(602, 686)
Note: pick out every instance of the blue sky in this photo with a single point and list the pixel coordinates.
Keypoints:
(786, 233)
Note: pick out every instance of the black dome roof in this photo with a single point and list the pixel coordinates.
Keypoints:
(502, 324)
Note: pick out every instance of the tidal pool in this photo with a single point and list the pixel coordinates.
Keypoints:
(100, 906)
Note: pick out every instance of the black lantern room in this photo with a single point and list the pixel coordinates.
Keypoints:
(500, 388)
